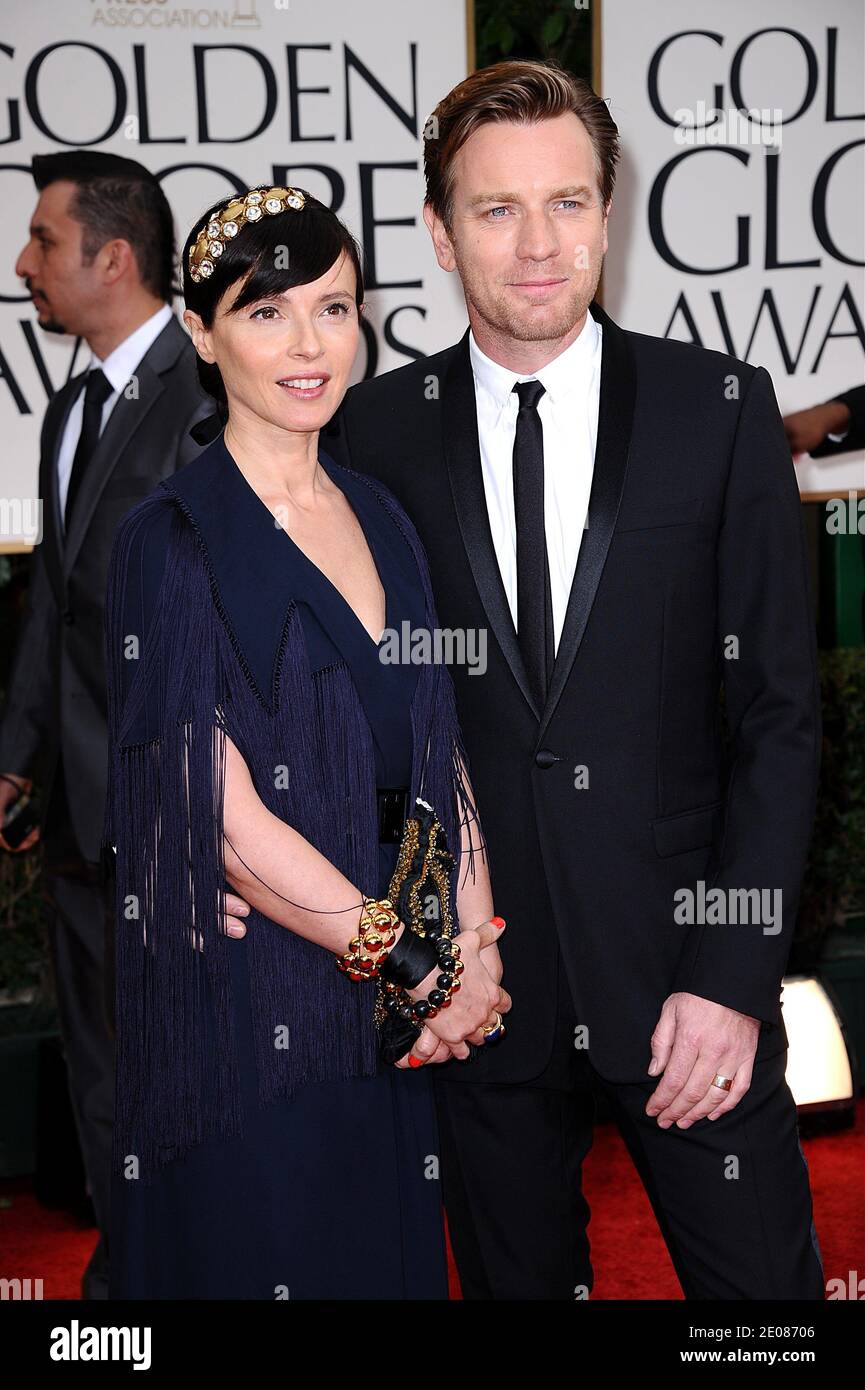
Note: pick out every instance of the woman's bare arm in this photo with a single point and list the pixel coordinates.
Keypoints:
(286, 878)
(261, 849)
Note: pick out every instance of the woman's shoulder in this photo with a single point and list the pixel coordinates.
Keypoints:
(145, 528)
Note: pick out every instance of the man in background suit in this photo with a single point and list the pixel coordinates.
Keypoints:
(99, 265)
(833, 427)
(594, 736)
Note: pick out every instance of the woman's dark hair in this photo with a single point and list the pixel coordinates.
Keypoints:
(274, 254)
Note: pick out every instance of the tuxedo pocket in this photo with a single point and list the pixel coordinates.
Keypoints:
(688, 830)
(659, 514)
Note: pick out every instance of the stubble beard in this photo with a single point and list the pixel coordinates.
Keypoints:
(506, 319)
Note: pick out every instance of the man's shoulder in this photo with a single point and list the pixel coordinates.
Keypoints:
(401, 384)
(689, 363)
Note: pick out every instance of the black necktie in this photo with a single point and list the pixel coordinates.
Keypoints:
(534, 597)
(96, 393)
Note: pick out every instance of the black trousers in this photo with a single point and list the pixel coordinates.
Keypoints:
(731, 1196)
(79, 914)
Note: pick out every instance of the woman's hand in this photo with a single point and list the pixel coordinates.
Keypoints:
(472, 1006)
(429, 1049)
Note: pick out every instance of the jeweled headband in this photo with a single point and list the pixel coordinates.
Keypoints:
(224, 225)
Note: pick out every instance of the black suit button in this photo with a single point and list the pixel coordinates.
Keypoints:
(544, 758)
(68, 616)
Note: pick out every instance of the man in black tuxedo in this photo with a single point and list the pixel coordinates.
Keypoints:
(99, 264)
(648, 868)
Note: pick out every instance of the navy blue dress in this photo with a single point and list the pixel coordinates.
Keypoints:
(334, 1194)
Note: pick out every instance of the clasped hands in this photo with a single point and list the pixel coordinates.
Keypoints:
(472, 1006)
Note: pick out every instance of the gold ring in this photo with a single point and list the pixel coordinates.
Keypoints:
(493, 1031)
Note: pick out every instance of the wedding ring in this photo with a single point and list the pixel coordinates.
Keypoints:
(724, 1082)
(493, 1031)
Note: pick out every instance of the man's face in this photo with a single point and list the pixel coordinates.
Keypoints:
(529, 230)
(62, 287)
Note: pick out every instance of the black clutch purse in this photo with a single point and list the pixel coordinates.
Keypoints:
(420, 894)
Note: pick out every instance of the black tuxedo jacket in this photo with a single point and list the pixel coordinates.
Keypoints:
(691, 580)
(56, 697)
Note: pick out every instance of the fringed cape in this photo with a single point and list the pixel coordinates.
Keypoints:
(177, 1070)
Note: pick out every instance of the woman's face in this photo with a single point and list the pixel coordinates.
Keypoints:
(285, 359)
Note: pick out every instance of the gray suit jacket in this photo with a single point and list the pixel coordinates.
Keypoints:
(56, 698)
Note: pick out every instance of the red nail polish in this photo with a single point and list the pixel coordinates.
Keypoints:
(415, 1061)
(497, 921)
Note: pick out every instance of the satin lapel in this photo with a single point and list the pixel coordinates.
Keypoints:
(463, 458)
(615, 421)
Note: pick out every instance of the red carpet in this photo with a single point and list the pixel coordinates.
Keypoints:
(628, 1254)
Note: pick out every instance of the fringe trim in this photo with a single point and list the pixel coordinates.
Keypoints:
(178, 1080)
(309, 750)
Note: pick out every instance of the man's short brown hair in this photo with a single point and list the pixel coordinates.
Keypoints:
(523, 90)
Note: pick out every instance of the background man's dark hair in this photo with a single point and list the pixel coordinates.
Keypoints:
(117, 197)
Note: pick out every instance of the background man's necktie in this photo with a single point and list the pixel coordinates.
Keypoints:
(534, 595)
(96, 393)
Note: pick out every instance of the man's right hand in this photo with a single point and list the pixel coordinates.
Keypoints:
(8, 795)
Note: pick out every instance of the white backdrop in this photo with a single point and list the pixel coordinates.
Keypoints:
(725, 242)
(218, 97)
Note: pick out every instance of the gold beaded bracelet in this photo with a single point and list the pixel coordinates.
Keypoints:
(376, 935)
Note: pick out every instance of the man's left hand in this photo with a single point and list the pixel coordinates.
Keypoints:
(694, 1040)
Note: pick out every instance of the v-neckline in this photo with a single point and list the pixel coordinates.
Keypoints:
(370, 543)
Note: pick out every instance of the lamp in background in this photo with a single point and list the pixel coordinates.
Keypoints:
(818, 1064)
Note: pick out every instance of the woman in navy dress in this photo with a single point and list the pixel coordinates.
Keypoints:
(333, 1193)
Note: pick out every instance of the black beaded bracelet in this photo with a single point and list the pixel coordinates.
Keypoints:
(410, 960)
(396, 1000)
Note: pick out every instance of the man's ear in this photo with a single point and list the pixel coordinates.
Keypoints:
(440, 239)
(117, 258)
(606, 215)
(200, 336)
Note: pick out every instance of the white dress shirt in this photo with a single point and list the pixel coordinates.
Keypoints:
(118, 367)
(568, 410)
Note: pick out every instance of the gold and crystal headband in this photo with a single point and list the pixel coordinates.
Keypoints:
(225, 224)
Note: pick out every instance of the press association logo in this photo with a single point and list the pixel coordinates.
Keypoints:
(177, 14)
